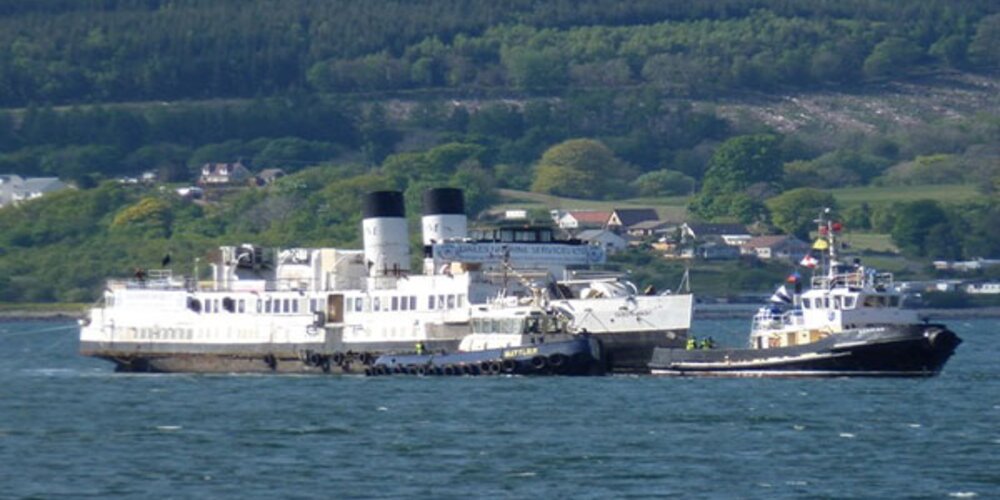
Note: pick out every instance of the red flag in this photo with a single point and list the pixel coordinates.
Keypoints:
(809, 261)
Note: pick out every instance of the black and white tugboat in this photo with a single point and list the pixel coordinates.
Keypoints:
(851, 322)
(508, 337)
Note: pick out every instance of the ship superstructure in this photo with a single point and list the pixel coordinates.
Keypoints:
(840, 297)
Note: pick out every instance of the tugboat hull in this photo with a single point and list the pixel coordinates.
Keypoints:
(315, 358)
(578, 356)
(884, 351)
(631, 352)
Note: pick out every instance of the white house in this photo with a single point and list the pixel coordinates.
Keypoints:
(651, 228)
(191, 192)
(623, 219)
(965, 265)
(983, 288)
(610, 241)
(15, 189)
(221, 174)
(574, 220)
(775, 247)
(731, 234)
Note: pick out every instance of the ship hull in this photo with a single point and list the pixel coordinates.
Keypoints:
(319, 358)
(631, 352)
(626, 352)
(887, 351)
(577, 356)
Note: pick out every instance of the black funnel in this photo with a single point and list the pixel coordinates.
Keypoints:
(383, 204)
(442, 201)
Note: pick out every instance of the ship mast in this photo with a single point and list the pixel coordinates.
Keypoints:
(831, 244)
(827, 235)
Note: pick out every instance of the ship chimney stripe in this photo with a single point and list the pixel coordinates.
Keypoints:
(383, 204)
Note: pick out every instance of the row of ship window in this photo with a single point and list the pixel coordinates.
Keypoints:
(156, 333)
(404, 303)
(848, 302)
(358, 304)
(266, 306)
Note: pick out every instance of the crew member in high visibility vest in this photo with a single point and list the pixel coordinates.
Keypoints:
(692, 343)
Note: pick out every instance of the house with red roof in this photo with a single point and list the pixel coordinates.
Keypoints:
(576, 220)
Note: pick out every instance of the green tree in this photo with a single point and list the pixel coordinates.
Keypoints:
(293, 153)
(478, 185)
(663, 183)
(858, 216)
(738, 164)
(914, 224)
(168, 160)
(891, 56)
(434, 165)
(884, 216)
(838, 168)
(79, 163)
(794, 211)
(582, 168)
(983, 48)
(498, 120)
(951, 50)
(924, 170)
(535, 69)
(378, 138)
(941, 242)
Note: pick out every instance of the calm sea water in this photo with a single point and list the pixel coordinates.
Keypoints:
(70, 427)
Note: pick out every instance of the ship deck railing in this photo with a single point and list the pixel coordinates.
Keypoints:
(769, 320)
(278, 285)
(859, 278)
(154, 279)
(577, 276)
(164, 280)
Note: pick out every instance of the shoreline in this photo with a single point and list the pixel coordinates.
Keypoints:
(737, 311)
(12, 315)
(701, 311)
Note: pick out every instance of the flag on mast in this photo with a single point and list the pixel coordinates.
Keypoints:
(809, 261)
(781, 296)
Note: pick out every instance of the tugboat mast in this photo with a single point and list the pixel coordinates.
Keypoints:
(827, 228)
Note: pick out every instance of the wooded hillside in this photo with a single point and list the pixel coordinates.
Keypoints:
(73, 51)
(734, 109)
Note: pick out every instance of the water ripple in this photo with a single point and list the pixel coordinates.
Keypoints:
(223, 436)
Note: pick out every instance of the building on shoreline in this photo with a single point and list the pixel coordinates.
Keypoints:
(15, 189)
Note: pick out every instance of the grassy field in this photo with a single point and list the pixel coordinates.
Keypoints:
(673, 208)
(952, 193)
(869, 241)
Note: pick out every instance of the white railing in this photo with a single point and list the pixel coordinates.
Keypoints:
(856, 279)
(154, 279)
(767, 320)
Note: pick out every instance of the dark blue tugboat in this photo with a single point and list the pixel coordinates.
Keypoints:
(851, 322)
(917, 350)
(514, 340)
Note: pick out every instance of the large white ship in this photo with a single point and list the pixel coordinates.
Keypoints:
(332, 310)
